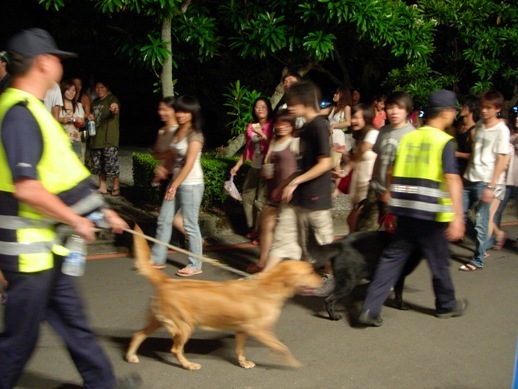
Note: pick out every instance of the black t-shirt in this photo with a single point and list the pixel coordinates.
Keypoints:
(314, 143)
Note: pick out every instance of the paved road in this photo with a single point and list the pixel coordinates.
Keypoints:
(412, 350)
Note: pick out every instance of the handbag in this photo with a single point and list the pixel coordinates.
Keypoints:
(231, 189)
(343, 186)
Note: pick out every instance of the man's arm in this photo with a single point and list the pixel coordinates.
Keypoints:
(456, 228)
(33, 193)
(322, 166)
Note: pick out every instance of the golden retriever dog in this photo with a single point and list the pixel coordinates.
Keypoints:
(249, 307)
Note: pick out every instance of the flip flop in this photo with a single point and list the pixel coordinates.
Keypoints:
(101, 192)
(254, 268)
(116, 192)
(187, 272)
(158, 266)
(470, 267)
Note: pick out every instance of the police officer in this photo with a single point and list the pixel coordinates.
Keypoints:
(43, 188)
(426, 196)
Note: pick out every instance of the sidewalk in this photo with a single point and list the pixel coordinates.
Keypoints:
(217, 231)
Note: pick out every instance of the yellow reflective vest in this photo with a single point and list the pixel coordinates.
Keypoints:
(418, 188)
(27, 237)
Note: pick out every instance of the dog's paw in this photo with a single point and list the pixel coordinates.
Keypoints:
(132, 358)
(192, 366)
(294, 363)
(335, 316)
(247, 364)
(401, 305)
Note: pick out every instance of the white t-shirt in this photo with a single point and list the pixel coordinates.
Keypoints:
(53, 97)
(487, 144)
(195, 176)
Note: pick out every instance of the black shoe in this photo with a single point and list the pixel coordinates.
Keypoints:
(132, 381)
(369, 320)
(459, 310)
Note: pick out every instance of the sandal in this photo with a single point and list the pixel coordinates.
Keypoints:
(101, 192)
(254, 268)
(470, 267)
(116, 192)
(159, 266)
(187, 272)
(252, 235)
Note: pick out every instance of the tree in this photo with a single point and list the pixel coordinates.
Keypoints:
(152, 47)
(428, 44)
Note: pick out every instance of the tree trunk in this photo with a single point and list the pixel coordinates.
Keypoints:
(166, 76)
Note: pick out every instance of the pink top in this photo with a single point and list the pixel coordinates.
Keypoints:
(379, 119)
(267, 130)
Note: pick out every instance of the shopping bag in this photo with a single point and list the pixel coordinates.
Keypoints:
(231, 189)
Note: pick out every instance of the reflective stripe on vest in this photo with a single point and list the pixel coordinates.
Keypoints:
(59, 170)
(418, 188)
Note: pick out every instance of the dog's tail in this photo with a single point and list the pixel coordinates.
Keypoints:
(143, 259)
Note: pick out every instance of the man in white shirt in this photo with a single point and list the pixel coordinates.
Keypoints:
(53, 100)
(488, 161)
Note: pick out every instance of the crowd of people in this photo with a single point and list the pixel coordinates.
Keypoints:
(399, 179)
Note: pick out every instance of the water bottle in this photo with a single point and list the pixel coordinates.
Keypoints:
(91, 127)
(74, 262)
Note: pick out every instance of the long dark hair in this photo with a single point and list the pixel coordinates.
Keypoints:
(66, 84)
(192, 105)
(268, 106)
(345, 98)
(169, 101)
(368, 117)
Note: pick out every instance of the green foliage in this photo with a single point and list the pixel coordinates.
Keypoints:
(215, 171)
(143, 173)
(239, 100)
(265, 30)
(200, 31)
(320, 45)
(418, 80)
(54, 4)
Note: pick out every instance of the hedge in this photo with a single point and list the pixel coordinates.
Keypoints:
(216, 170)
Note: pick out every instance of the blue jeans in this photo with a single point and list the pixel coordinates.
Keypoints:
(472, 194)
(188, 199)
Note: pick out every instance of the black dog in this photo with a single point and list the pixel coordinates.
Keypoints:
(355, 257)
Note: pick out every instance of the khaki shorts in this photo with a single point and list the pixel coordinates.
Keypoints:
(290, 236)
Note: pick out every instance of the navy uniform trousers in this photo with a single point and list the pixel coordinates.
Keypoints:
(411, 233)
(51, 296)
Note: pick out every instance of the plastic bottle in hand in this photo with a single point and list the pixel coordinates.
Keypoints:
(74, 262)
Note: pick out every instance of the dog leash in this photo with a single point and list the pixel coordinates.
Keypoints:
(213, 262)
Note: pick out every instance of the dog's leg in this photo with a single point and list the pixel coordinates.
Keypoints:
(181, 335)
(139, 337)
(398, 295)
(240, 351)
(344, 285)
(269, 339)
